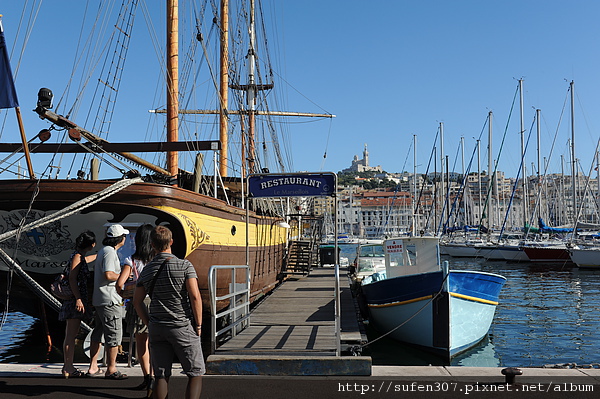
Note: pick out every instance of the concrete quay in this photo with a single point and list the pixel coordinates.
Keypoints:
(419, 373)
(45, 381)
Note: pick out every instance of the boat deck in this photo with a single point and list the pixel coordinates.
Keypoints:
(296, 324)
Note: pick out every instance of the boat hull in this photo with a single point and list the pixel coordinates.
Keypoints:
(586, 258)
(461, 250)
(415, 309)
(547, 254)
(206, 231)
(513, 253)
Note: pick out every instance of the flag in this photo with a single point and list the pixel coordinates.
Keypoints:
(8, 94)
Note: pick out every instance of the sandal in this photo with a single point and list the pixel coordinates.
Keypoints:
(117, 375)
(75, 374)
(96, 374)
(78, 374)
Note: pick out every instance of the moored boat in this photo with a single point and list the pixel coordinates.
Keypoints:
(212, 221)
(585, 258)
(369, 259)
(461, 249)
(512, 252)
(419, 301)
(470, 248)
(552, 251)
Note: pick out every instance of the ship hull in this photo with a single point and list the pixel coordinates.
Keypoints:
(413, 309)
(547, 254)
(585, 258)
(206, 231)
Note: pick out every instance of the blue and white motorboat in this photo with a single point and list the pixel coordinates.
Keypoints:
(417, 300)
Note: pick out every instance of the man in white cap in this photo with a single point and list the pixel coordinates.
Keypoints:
(107, 303)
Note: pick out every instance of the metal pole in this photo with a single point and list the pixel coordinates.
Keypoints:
(414, 207)
(338, 305)
(443, 190)
(539, 161)
(464, 178)
(524, 176)
(573, 160)
(491, 174)
(479, 181)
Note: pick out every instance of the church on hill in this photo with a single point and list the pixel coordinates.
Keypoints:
(362, 165)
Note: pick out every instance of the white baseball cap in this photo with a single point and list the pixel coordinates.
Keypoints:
(116, 230)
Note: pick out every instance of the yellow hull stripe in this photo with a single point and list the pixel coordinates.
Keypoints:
(205, 229)
(385, 305)
(472, 298)
(423, 298)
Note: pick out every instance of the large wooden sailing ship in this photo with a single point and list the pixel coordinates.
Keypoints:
(208, 229)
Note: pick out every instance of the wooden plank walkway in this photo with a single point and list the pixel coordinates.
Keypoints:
(298, 319)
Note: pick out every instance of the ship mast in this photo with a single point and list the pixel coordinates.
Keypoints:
(251, 89)
(224, 86)
(251, 92)
(172, 83)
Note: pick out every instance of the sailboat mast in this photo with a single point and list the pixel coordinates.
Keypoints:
(490, 169)
(224, 86)
(539, 159)
(464, 179)
(479, 207)
(524, 177)
(573, 159)
(443, 190)
(414, 218)
(172, 83)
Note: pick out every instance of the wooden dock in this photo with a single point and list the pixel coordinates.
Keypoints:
(294, 329)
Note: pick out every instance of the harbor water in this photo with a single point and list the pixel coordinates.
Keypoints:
(548, 315)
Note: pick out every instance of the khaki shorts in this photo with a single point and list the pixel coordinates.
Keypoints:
(108, 322)
(166, 342)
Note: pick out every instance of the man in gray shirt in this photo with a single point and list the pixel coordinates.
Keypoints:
(175, 315)
(107, 302)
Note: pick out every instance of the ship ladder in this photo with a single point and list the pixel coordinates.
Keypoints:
(301, 257)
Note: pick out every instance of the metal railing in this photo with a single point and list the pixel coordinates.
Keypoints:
(238, 310)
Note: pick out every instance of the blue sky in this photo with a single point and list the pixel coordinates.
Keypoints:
(388, 70)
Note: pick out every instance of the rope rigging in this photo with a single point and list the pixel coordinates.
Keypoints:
(58, 215)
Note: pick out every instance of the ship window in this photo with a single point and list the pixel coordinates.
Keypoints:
(233, 230)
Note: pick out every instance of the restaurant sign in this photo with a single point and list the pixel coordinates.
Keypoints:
(292, 185)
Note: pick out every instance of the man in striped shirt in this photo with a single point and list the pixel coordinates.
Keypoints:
(175, 315)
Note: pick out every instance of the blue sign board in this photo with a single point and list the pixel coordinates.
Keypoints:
(292, 185)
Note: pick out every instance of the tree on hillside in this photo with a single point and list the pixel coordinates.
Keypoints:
(371, 182)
